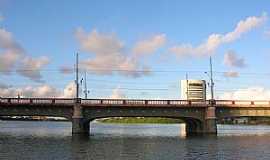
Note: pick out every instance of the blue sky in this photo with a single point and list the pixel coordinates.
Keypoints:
(51, 32)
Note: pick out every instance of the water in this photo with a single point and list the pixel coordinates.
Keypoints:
(52, 140)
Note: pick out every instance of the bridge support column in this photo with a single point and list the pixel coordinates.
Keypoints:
(210, 124)
(80, 126)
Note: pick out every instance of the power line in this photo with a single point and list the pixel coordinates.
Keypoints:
(135, 89)
(124, 70)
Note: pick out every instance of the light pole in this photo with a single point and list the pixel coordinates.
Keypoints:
(211, 124)
(86, 91)
(77, 78)
(211, 80)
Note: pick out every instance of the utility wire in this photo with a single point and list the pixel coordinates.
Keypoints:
(217, 73)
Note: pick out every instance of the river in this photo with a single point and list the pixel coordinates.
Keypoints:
(52, 140)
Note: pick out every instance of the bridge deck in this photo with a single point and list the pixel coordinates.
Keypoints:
(136, 102)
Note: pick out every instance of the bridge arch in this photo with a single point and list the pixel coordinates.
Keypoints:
(193, 117)
(192, 125)
(32, 110)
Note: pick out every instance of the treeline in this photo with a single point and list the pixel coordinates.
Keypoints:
(132, 120)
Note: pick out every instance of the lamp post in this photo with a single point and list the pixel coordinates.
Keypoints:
(210, 118)
(187, 86)
(211, 81)
(77, 78)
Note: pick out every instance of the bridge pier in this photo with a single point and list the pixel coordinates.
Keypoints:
(80, 126)
(207, 126)
(210, 124)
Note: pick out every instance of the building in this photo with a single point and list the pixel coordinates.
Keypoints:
(194, 90)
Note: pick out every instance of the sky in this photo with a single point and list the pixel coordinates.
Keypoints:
(134, 49)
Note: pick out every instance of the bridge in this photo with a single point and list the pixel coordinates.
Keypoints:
(199, 116)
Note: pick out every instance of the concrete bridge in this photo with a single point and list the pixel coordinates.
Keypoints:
(199, 116)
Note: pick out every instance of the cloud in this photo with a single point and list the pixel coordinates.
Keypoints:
(30, 67)
(209, 46)
(66, 70)
(7, 42)
(8, 60)
(115, 63)
(13, 55)
(2, 18)
(149, 45)
(231, 60)
(29, 91)
(117, 94)
(100, 44)
(10, 51)
(40, 91)
(205, 49)
(44, 91)
(244, 26)
(251, 93)
(70, 90)
(109, 55)
(231, 74)
(4, 86)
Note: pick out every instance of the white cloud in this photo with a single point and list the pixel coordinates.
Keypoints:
(70, 90)
(44, 91)
(251, 93)
(231, 74)
(30, 67)
(209, 46)
(7, 42)
(4, 86)
(244, 26)
(8, 61)
(10, 51)
(40, 91)
(98, 43)
(232, 60)
(117, 94)
(29, 91)
(150, 45)
(66, 70)
(12, 55)
(110, 56)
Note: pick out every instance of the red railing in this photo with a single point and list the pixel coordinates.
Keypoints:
(135, 102)
(241, 102)
(37, 100)
(140, 102)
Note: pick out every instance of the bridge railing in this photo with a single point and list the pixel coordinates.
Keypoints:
(131, 102)
(37, 100)
(141, 102)
(242, 102)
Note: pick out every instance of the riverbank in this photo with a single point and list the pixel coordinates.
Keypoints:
(140, 120)
(31, 119)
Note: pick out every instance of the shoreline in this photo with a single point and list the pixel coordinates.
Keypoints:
(130, 120)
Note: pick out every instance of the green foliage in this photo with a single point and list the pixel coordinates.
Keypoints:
(138, 120)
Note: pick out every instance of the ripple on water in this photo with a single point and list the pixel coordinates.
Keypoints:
(52, 140)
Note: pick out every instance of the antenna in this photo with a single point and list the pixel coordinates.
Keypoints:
(211, 79)
(77, 76)
(187, 85)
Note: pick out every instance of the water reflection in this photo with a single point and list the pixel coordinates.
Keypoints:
(242, 130)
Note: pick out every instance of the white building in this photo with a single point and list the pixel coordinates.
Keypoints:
(193, 90)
